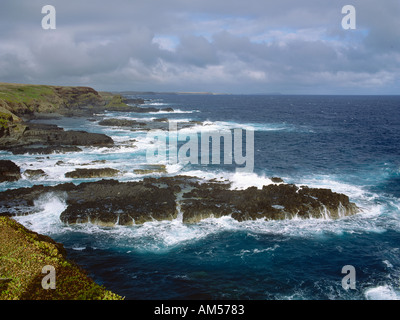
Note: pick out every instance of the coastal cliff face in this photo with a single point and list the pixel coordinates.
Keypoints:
(22, 100)
(25, 102)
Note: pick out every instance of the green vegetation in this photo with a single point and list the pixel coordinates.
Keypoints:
(25, 99)
(116, 103)
(24, 93)
(5, 119)
(24, 253)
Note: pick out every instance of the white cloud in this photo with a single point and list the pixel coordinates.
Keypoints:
(168, 43)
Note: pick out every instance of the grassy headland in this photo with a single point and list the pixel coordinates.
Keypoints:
(24, 253)
(25, 100)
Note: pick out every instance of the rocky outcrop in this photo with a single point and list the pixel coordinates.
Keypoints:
(9, 171)
(109, 202)
(92, 173)
(155, 168)
(29, 101)
(276, 179)
(44, 150)
(150, 109)
(120, 123)
(53, 135)
(45, 139)
(275, 202)
(34, 174)
(147, 125)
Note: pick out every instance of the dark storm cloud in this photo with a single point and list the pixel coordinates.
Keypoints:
(231, 46)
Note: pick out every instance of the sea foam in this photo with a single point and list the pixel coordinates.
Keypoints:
(384, 292)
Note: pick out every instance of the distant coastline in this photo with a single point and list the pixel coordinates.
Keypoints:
(171, 93)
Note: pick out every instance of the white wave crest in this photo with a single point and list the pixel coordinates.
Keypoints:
(47, 220)
(384, 292)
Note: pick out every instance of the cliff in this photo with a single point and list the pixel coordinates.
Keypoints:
(20, 103)
(27, 101)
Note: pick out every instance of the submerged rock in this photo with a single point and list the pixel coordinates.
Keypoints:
(109, 202)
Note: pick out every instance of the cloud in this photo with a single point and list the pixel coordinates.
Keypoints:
(175, 45)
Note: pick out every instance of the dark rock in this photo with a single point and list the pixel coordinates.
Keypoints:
(143, 109)
(133, 100)
(92, 173)
(44, 150)
(72, 138)
(137, 109)
(161, 120)
(22, 201)
(120, 123)
(35, 174)
(52, 135)
(274, 202)
(155, 124)
(276, 180)
(9, 171)
(109, 202)
(156, 168)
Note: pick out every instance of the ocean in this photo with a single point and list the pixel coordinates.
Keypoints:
(349, 144)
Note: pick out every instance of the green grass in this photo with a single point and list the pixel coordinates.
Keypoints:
(116, 103)
(25, 93)
(24, 253)
(21, 99)
(5, 119)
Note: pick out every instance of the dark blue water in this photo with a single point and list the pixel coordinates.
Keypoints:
(347, 143)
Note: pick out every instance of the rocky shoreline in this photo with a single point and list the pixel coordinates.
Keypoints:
(110, 202)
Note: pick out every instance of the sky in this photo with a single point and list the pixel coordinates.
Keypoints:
(221, 46)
